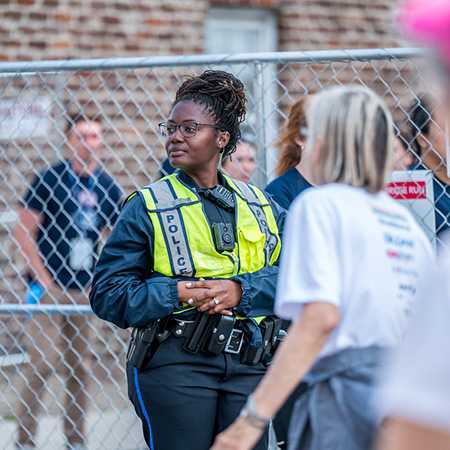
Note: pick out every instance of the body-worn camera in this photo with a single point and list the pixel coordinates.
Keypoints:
(224, 236)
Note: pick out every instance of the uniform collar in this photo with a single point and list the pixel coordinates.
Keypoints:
(185, 178)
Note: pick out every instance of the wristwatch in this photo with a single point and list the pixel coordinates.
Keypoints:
(249, 413)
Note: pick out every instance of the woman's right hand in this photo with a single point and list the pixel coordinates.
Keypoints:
(215, 296)
(185, 293)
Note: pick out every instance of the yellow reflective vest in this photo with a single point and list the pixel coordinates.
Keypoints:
(184, 243)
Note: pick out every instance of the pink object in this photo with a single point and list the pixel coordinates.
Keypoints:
(428, 22)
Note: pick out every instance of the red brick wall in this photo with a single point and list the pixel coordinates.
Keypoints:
(66, 29)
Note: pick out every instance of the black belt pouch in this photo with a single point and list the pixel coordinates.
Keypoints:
(253, 355)
(221, 330)
(200, 328)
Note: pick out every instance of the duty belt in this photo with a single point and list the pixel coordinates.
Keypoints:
(210, 333)
(218, 333)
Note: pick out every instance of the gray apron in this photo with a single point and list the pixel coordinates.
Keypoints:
(336, 413)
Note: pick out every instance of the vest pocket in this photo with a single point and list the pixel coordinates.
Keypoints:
(251, 249)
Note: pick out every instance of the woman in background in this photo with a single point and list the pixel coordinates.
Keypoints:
(416, 385)
(291, 179)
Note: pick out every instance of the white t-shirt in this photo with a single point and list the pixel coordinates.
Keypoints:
(362, 252)
(416, 382)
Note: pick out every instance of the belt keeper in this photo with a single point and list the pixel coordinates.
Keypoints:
(179, 328)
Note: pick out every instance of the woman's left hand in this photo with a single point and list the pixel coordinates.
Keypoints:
(219, 296)
(238, 436)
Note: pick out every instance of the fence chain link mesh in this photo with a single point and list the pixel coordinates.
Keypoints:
(131, 96)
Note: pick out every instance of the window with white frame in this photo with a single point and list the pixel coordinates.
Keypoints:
(244, 30)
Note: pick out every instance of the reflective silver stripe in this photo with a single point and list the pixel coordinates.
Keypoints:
(172, 227)
(247, 193)
(255, 205)
(172, 205)
(165, 198)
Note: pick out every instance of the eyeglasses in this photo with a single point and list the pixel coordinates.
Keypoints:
(187, 129)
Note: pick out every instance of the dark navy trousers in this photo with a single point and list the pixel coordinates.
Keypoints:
(185, 400)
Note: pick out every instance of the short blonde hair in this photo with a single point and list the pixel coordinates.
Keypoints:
(355, 127)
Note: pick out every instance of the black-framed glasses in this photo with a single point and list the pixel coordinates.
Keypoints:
(187, 129)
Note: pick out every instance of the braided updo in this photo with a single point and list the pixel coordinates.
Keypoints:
(223, 97)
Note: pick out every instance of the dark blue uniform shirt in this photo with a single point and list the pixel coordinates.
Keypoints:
(287, 186)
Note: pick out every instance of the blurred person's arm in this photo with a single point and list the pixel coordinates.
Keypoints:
(111, 202)
(406, 435)
(292, 361)
(115, 203)
(25, 235)
(413, 395)
(105, 235)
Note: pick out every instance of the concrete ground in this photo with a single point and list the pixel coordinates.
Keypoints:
(106, 431)
(111, 420)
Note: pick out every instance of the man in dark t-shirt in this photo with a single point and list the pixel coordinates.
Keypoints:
(73, 208)
(66, 211)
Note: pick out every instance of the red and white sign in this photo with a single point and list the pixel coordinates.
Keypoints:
(408, 190)
(414, 189)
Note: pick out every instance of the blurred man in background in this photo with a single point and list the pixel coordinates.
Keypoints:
(60, 228)
(242, 164)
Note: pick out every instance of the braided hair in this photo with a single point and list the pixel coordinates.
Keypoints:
(223, 97)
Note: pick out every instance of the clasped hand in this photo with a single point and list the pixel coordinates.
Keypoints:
(214, 296)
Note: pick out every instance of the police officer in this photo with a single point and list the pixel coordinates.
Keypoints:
(192, 264)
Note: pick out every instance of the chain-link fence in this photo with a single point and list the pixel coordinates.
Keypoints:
(130, 97)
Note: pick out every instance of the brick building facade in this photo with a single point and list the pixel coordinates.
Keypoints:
(67, 29)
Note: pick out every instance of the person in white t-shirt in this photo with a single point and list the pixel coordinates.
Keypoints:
(351, 269)
(415, 387)
(414, 390)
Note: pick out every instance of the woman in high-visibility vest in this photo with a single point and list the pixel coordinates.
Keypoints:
(192, 265)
